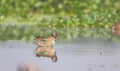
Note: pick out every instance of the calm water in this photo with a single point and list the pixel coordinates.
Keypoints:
(78, 55)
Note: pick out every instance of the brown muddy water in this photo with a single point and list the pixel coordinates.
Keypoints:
(76, 55)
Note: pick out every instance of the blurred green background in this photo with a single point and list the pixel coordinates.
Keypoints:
(26, 19)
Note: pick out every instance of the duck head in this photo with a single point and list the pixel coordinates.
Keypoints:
(116, 28)
(54, 34)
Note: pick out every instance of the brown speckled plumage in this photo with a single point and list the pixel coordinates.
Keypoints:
(46, 40)
(49, 52)
(45, 46)
(116, 28)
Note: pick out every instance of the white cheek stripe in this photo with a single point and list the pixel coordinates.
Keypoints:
(113, 29)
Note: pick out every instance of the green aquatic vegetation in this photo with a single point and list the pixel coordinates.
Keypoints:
(24, 10)
(24, 20)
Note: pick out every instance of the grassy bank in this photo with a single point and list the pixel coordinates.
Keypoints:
(29, 32)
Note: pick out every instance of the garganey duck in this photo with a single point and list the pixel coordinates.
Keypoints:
(45, 46)
(46, 40)
(116, 28)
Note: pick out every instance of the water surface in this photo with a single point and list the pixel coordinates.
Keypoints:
(76, 55)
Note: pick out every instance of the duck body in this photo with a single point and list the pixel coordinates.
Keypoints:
(116, 28)
(46, 40)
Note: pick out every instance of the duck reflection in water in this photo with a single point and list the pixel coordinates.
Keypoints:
(45, 46)
(46, 52)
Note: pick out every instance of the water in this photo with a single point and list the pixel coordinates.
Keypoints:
(77, 55)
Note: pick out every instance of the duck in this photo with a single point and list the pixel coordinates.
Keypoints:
(46, 51)
(116, 28)
(46, 40)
